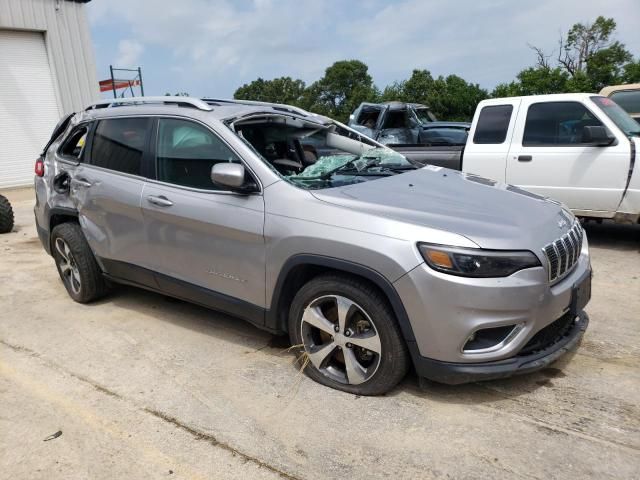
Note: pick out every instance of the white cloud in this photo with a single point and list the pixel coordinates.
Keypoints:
(129, 52)
(213, 46)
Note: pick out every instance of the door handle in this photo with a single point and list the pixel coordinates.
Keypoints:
(525, 158)
(160, 201)
(80, 182)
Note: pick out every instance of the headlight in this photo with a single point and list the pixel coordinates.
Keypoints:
(474, 262)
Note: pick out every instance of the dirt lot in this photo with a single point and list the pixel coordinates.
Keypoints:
(146, 387)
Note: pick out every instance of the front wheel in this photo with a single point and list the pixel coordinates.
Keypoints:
(348, 335)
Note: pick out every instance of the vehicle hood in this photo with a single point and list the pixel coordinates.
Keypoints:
(491, 214)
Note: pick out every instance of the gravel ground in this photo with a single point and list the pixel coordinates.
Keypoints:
(146, 387)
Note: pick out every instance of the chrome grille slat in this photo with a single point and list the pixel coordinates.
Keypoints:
(563, 253)
(570, 248)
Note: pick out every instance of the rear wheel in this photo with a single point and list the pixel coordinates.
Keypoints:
(6, 215)
(348, 335)
(76, 264)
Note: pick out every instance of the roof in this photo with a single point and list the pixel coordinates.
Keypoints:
(548, 97)
(607, 91)
(218, 108)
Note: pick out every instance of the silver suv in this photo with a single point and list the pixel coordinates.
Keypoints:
(301, 225)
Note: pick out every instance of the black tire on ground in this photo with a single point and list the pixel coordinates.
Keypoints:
(76, 262)
(393, 358)
(6, 215)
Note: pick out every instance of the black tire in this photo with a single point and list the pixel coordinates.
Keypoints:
(367, 302)
(81, 262)
(6, 215)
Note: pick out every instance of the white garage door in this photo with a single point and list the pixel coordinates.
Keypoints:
(28, 106)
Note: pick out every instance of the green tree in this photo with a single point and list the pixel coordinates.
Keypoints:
(631, 72)
(343, 87)
(535, 81)
(453, 98)
(588, 59)
(450, 98)
(279, 90)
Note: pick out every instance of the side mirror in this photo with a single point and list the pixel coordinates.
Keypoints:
(232, 176)
(597, 135)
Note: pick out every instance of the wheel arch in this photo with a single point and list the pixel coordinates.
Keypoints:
(299, 269)
(57, 216)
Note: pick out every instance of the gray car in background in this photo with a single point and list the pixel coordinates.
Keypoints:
(370, 263)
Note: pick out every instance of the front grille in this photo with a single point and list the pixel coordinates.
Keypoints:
(564, 253)
(549, 335)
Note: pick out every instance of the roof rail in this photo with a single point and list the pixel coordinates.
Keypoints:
(166, 100)
(276, 106)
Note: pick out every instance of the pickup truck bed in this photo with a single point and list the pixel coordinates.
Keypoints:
(448, 156)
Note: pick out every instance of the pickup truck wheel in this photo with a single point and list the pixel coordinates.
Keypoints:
(76, 264)
(6, 215)
(348, 337)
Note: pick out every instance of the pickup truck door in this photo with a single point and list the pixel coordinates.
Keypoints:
(202, 240)
(548, 156)
(488, 142)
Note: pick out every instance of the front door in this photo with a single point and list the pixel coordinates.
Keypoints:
(549, 157)
(204, 241)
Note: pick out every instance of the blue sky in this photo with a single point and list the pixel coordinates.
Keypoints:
(211, 47)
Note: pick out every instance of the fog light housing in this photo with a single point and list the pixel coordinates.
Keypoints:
(490, 339)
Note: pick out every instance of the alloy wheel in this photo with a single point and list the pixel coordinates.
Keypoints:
(340, 339)
(68, 266)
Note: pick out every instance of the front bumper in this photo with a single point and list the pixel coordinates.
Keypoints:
(457, 373)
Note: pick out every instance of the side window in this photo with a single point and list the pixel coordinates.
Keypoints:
(118, 144)
(186, 152)
(493, 124)
(368, 117)
(73, 147)
(557, 123)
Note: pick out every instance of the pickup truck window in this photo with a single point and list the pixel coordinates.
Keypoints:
(368, 117)
(557, 123)
(493, 124)
(629, 100)
(617, 115)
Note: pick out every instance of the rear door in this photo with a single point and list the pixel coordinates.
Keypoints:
(198, 233)
(548, 156)
(106, 189)
(489, 139)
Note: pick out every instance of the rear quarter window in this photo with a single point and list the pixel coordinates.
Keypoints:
(628, 100)
(493, 124)
(73, 146)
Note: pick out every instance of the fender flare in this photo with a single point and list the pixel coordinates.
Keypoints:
(273, 322)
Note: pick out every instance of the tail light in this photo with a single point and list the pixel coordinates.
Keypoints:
(39, 169)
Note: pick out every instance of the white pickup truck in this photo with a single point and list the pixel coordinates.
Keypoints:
(581, 149)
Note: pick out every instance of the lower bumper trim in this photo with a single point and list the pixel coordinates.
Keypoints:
(458, 373)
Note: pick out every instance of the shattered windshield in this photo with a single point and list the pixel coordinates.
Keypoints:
(317, 156)
(424, 115)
